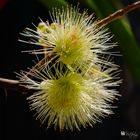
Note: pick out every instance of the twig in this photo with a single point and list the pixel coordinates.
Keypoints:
(118, 14)
(15, 84)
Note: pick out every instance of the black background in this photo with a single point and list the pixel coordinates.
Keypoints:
(17, 121)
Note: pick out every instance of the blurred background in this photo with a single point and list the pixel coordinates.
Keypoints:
(17, 121)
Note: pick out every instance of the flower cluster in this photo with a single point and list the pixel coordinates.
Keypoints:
(75, 80)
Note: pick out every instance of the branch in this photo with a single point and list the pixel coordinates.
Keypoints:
(119, 14)
(16, 85)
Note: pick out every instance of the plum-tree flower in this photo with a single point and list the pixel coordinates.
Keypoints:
(76, 85)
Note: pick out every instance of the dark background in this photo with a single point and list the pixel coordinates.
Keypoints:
(16, 120)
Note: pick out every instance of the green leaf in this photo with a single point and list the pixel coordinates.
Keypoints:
(54, 3)
(122, 31)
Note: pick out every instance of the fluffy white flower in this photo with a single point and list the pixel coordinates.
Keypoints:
(74, 84)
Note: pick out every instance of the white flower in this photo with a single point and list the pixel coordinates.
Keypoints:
(74, 84)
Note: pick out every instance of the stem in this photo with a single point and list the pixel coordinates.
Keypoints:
(119, 14)
(16, 85)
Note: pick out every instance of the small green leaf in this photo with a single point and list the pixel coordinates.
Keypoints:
(54, 3)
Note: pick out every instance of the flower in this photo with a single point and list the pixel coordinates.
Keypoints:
(71, 100)
(72, 37)
(74, 83)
